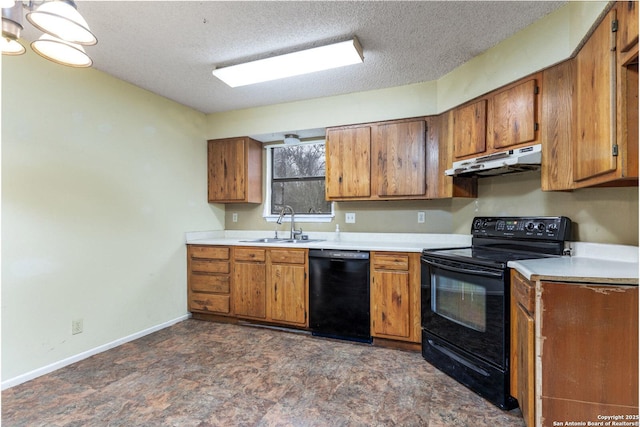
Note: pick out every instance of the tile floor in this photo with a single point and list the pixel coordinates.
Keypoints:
(198, 373)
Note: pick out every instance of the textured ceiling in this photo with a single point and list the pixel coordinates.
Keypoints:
(170, 47)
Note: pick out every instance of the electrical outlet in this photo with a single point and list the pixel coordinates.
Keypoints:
(421, 217)
(234, 217)
(350, 218)
(76, 326)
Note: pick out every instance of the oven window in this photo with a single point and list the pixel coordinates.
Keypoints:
(459, 301)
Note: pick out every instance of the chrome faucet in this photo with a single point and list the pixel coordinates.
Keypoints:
(294, 232)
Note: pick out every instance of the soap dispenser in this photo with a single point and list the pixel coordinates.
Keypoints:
(337, 239)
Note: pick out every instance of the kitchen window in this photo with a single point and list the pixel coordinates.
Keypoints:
(296, 177)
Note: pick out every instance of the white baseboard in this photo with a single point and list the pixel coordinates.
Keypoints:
(85, 354)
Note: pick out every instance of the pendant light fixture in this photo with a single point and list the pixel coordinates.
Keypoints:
(66, 31)
(11, 28)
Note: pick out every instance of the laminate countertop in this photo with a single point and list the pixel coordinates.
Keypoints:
(588, 262)
(393, 242)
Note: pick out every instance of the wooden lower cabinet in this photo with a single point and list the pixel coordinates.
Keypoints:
(395, 296)
(208, 279)
(287, 275)
(577, 348)
(587, 342)
(522, 356)
(250, 283)
(270, 285)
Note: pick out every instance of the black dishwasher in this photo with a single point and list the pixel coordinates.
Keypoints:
(339, 294)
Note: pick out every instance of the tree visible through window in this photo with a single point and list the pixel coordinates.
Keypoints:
(298, 178)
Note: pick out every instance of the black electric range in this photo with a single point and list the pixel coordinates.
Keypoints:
(465, 299)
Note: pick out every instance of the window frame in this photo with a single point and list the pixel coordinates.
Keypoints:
(300, 217)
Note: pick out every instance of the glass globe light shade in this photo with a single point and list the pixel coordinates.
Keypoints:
(11, 46)
(61, 51)
(61, 19)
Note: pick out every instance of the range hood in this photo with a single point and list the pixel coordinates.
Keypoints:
(516, 160)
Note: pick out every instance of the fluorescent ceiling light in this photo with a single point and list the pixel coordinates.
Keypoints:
(292, 64)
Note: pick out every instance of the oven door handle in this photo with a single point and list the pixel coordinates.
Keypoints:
(487, 273)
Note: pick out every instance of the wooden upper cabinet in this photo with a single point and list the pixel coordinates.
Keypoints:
(605, 141)
(470, 129)
(348, 163)
(377, 161)
(505, 118)
(627, 12)
(235, 170)
(590, 110)
(593, 151)
(439, 157)
(512, 118)
(557, 131)
(399, 159)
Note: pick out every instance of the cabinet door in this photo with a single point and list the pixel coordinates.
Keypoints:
(288, 293)
(589, 350)
(557, 131)
(595, 136)
(399, 159)
(627, 24)
(512, 118)
(390, 312)
(525, 342)
(249, 289)
(227, 170)
(470, 129)
(439, 145)
(348, 163)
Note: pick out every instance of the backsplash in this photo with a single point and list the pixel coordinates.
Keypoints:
(601, 215)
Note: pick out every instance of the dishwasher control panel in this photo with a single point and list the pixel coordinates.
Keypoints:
(333, 253)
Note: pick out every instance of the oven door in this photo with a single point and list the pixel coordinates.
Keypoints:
(465, 305)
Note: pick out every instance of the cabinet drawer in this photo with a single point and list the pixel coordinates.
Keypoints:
(285, 256)
(210, 252)
(391, 261)
(209, 283)
(249, 254)
(524, 294)
(209, 303)
(209, 266)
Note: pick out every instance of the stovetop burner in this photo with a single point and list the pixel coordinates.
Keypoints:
(498, 240)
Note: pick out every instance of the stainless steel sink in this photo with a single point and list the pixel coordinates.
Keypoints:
(265, 240)
(274, 240)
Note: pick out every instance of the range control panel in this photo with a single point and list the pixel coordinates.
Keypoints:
(557, 228)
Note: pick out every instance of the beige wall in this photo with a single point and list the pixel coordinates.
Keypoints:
(100, 180)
